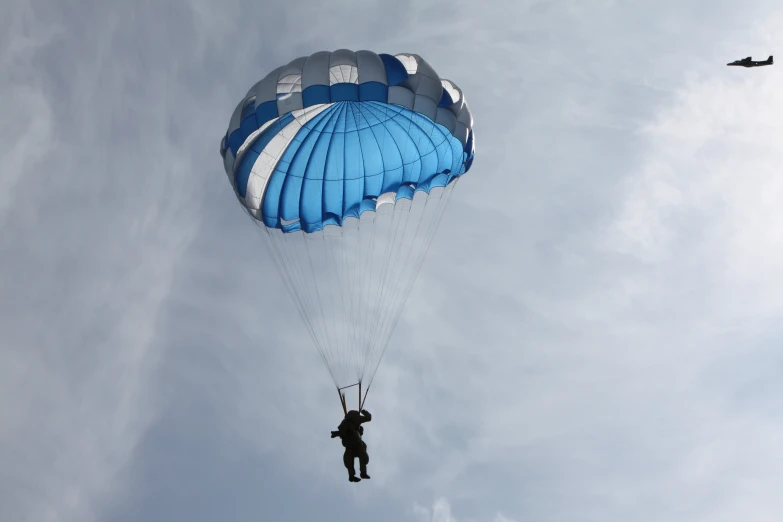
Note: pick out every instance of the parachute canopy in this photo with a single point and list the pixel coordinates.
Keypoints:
(346, 160)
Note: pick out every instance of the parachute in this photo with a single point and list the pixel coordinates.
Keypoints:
(346, 162)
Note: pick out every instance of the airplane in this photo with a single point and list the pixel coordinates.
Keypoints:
(747, 62)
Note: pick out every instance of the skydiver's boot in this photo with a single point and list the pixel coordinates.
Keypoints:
(354, 478)
(364, 475)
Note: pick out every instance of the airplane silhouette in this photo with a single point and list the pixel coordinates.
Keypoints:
(747, 62)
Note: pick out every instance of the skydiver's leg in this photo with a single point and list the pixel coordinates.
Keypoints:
(364, 459)
(348, 458)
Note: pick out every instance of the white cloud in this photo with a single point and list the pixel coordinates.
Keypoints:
(26, 124)
(95, 214)
(607, 335)
(710, 189)
(611, 387)
(441, 512)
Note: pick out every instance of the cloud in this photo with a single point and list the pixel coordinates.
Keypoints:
(597, 320)
(441, 512)
(26, 126)
(95, 215)
(709, 190)
(634, 348)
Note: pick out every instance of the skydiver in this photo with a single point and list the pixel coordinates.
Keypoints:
(350, 432)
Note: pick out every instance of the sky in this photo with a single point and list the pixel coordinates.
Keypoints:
(594, 336)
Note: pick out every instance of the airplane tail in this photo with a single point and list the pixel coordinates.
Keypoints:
(770, 59)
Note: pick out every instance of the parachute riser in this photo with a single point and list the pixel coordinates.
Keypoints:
(361, 399)
(342, 401)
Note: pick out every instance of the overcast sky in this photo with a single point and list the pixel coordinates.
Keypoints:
(595, 336)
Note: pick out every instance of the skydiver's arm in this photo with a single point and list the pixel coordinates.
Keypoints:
(365, 416)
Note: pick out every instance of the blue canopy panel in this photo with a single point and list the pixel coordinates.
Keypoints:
(341, 160)
(253, 117)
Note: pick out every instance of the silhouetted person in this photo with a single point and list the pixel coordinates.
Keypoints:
(350, 432)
